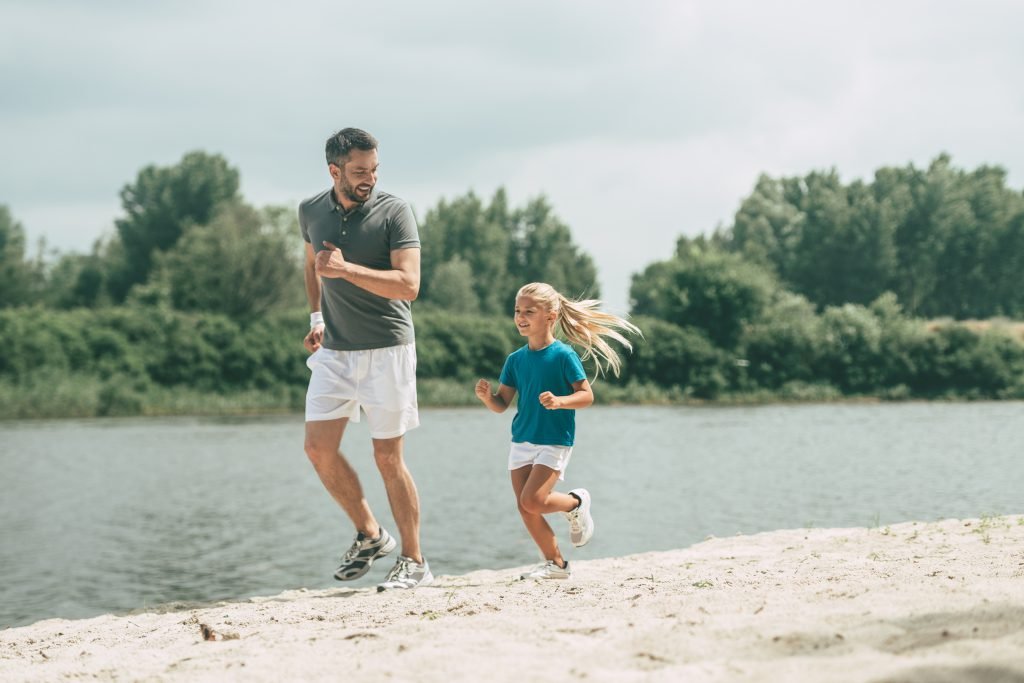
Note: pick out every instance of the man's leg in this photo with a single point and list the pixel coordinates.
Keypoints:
(323, 441)
(405, 501)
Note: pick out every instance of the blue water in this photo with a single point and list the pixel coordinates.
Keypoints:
(110, 515)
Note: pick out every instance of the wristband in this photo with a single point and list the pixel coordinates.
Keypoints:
(316, 318)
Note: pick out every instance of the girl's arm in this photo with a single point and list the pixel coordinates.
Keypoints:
(498, 402)
(581, 397)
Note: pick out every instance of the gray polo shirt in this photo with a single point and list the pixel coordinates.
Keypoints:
(354, 318)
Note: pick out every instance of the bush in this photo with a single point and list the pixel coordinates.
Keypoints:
(463, 347)
(672, 356)
(785, 346)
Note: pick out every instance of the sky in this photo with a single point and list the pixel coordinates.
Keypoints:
(639, 121)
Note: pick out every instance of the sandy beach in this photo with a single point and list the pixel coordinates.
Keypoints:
(921, 602)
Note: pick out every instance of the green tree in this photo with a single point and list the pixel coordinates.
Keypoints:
(673, 356)
(475, 235)
(542, 250)
(785, 344)
(79, 280)
(502, 249)
(705, 288)
(19, 279)
(946, 242)
(160, 205)
(767, 227)
(452, 284)
(243, 263)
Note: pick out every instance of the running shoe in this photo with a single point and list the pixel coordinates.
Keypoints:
(581, 524)
(357, 560)
(407, 573)
(548, 570)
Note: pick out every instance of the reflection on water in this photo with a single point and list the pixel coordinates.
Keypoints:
(108, 515)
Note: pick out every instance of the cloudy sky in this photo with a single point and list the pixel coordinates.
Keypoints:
(639, 121)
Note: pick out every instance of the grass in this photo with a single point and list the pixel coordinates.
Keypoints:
(55, 395)
(51, 394)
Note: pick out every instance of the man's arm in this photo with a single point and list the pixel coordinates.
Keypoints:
(316, 332)
(401, 282)
(312, 279)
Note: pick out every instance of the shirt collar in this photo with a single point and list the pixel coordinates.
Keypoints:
(363, 208)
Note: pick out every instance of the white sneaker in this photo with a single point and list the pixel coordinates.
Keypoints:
(581, 524)
(548, 570)
(407, 573)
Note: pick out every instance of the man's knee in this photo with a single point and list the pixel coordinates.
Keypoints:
(389, 463)
(319, 452)
(323, 441)
(387, 453)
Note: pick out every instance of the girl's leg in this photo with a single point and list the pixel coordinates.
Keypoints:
(533, 486)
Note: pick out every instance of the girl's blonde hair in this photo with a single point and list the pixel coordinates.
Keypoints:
(585, 325)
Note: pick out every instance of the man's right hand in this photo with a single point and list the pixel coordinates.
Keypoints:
(313, 339)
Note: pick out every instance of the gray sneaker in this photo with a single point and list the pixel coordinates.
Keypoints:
(357, 560)
(407, 573)
(548, 570)
(581, 524)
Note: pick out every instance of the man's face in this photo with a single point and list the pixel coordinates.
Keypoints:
(356, 179)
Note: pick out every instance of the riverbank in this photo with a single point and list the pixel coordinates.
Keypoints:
(72, 396)
(915, 601)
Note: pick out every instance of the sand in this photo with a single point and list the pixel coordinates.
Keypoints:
(922, 602)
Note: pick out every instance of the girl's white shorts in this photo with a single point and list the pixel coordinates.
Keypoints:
(381, 382)
(525, 453)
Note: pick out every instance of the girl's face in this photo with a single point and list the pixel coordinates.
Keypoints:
(533, 317)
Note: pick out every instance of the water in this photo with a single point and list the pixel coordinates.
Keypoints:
(112, 515)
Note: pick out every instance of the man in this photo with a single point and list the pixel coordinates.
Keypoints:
(362, 272)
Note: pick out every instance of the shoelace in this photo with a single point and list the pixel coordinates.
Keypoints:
(546, 568)
(574, 520)
(352, 552)
(401, 569)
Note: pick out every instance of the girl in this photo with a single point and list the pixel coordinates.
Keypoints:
(549, 377)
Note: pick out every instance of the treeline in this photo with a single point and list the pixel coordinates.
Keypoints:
(128, 360)
(716, 324)
(817, 291)
(131, 360)
(947, 242)
(187, 240)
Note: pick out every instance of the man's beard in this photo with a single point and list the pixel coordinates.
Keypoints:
(350, 193)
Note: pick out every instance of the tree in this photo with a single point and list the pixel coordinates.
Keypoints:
(944, 241)
(706, 288)
(465, 230)
(19, 279)
(160, 204)
(543, 251)
(452, 284)
(243, 263)
(78, 280)
(767, 227)
(501, 250)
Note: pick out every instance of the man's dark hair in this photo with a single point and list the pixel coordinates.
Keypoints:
(344, 141)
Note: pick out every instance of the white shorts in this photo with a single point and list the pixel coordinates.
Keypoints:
(382, 382)
(526, 453)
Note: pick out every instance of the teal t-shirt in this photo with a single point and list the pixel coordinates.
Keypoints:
(553, 368)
